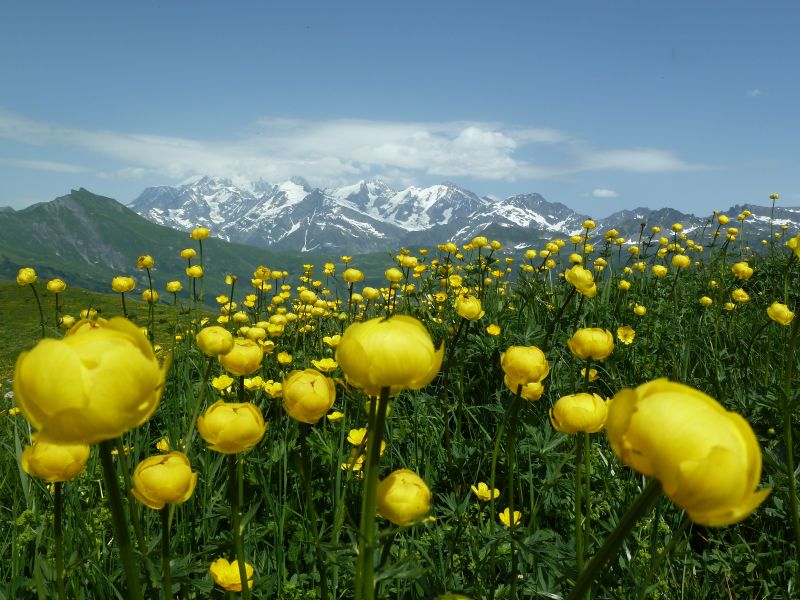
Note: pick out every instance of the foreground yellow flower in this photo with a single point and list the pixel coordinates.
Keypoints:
(231, 427)
(579, 412)
(26, 276)
(505, 517)
(524, 363)
(591, 342)
(780, 313)
(244, 358)
(483, 493)
(99, 381)
(403, 498)
(54, 462)
(582, 280)
(469, 307)
(308, 395)
(164, 479)
(226, 575)
(397, 353)
(707, 458)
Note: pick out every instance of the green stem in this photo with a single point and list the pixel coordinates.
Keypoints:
(578, 502)
(166, 575)
(124, 308)
(511, 451)
(39, 304)
(198, 405)
(133, 506)
(305, 466)
(365, 568)
(118, 518)
(234, 488)
(613, 542)
(59, 540)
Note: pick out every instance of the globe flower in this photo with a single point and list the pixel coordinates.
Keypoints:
(66, 321)
(150, 296)
(393, 274)
(231, 427)
(308, 395)
(739, 295)
(505, 517)
(582, 280)
(742, 270)
(26, 276)
(164, 479)
(123, 284)
(706, 458)
(532, 390)
(493, 329)
(214, 340)
(469, 307)
(56, 286)
(403, 498)
(640, 310)
(244, 358)
(145, 262)
(483, 493)
(326, 365)
(591, 343)
(199, 233)
(579, 412)
(226, 575)
(174, 286)
(195, 271)
(706, 301)
(353, 275)
(681, 261)
(524, 364)
(659, 270)
(188, 253)
(54, 462)
(780, 313)
(397, 353)
(96, 383)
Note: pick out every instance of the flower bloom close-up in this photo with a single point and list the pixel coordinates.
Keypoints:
(707, 458)
(54, 462)
(214, 340)
(403, 498)
(243, 358)
(123, 284)
(99, 381)
(591, 342)
(164, 479)
(483, 493)
(780, 313)
(579, 412)
(469, 307)
(505, 517)
(397, 353)
(226, 575)
(308, 395)
(582, 280)
(231, 427)
(56, 286)
(26, 276)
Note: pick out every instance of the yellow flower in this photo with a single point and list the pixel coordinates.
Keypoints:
(222, 383)
(582, 280)
(145, 262)
(163, 445)
(335, 416)
(742, 270)
(707, 458)
(706, 301)
(195, 271)
(332, 340)
(524, 364)
(640, 310)
(681, 261)
(99, 381)
(723, 219)
(780, 313)
(592, 374)
(188, 253)
(150, 296)
(356, 436)
(591, 342)
(624, 285)
(483, 493)
(284, 358)
(659, 270)
(493, 329)
(214, 340)
(244, 358)
(308, 395)
(199, 233)
(274, 389)
(589, 224)
(505, 517)
(66, 321)
(326, 365)
(397, 353)
(54, 462)
(123, 284)
(579, 412)
(393, 274)
(403, 498)
(164, 479)
(56, 286)
(226, 575)
(531, 390)
(26, 276)
(740, 295)
(469, 307)
(625, 335)
(174, 286)
(353, 275)
(231, 427)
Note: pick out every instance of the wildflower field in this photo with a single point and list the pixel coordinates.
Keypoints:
(596, 417)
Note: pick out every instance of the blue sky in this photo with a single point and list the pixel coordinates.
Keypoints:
(598, 105)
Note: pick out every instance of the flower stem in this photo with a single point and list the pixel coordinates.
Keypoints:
(198, 406)
(118, 518)
(39, 304)
(613, 542)
(578, 502)
(365, 567)
(166, 576)
(59, 540)
(234, 488)
(305, 469)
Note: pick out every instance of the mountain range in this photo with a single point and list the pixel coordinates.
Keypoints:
(370, 216)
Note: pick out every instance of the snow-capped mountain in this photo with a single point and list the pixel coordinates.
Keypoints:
(370, 216)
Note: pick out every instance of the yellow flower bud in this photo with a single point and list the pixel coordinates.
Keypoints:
(244, 358)
(469, 307)
(26, 276)
(403, 498)
(56, 286)
(54, 462)
(681, 261)
(524, 364)
(145, 262)
(231, 427)
(188, 253)
(214, 340)
(579, 412)
(164, 479)
(591, 342)
(308, 395)
(123, 284)
(353, 275)
(780, 313)
(174, 286)
(706, 301)
(199, 233)
(742, 270)
(582, 280)
(195, 271)
(707, 458)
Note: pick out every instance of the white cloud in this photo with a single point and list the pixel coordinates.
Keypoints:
(754, 92)
(43, 165)
(336, 151)
(604, 193)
